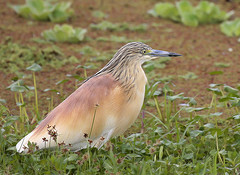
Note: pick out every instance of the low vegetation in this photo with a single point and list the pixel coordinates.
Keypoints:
(65, 33)
(202, 142)
(174, 133)
(15, 57)
(204, 13)
(231, 28)
(106, 25)
(44, 10)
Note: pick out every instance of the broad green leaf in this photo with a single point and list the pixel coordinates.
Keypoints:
(61, 12)
(52, 90)
(16, 83)
(80, 33)
(62, 81)
(191, 109)
(216, 72)
(23, 10)
(195, 133)
(215, 90)
(35, 67)
(36, 6)
(70, 167)
(189, 76)
(236, 117)
(166, 10)
(58, 16)
(188, 156)
(119, 39)
(189, 19)
(99, 14)
(209, 125)
(214, 85)
(71, 157)
(106, 25)
(44, 10)
(216, 114)
(230, 89)
(65, 33)
(184, 7)
(174, 97)
(231, 28)
(18, 88)
(221, 64)
(183, 11)
(2, 100)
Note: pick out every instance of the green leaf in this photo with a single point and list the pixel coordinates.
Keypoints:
(35, 68)
(205, 12)
(44, 10)
(195, 133)
(189, 19)
(215, 90)
(209, 125)
(166, 10)
(188, 156)
(61, 12)
(35, 5)
(70, 167)
(189, 76)
(236, 117)
(16, 83)
(65, 33)
(72, 157)
(174, 97)
(52, 90)
(18, 88)
(62, 81)
(2, 100)
(231, 28)
(184, 7)
(187, 14)
(216, 72)
(230, 89)
(216, 114)
(191, 109)
(221, 64)
(23, 10)
(106, 25)
(99, 14)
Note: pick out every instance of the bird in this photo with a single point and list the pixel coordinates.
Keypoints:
(104, 106)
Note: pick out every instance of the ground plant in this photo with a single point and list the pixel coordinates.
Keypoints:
(190, 119)
(106, 25)
(204, 13)
(44, 10)
(65, 33)
(231, 28)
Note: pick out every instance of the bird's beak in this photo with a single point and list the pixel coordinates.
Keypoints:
(160, 53)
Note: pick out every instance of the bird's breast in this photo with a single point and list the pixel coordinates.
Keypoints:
(132, 104)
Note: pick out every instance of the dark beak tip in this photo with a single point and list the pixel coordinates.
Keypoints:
(174, 55)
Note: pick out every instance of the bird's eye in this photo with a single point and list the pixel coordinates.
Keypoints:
(144, 51)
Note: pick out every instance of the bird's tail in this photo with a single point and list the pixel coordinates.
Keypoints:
(22, 145)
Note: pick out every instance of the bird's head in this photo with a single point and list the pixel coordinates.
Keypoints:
(140, 52)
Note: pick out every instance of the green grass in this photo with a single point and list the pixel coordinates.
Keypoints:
(180, 137)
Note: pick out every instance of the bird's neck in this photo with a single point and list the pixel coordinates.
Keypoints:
(131, 78)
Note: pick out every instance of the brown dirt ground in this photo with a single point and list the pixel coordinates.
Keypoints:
(201, 47)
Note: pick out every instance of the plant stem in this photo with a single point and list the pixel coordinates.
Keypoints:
(95, 111)
(36, 96)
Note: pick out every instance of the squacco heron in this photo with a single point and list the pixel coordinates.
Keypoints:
(104, 106)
